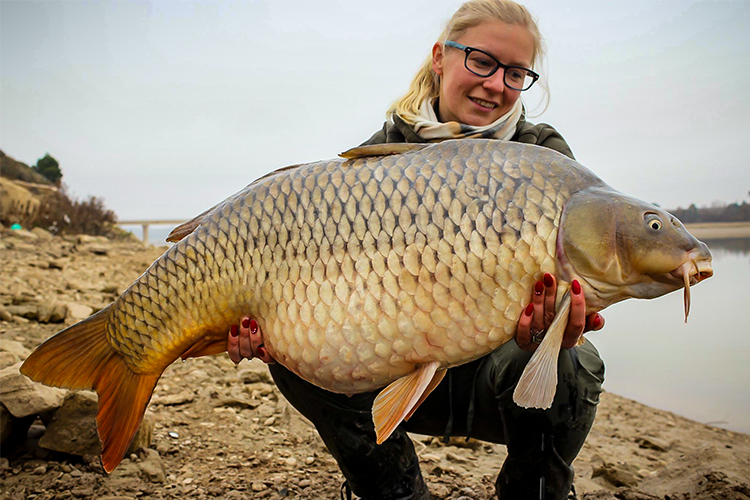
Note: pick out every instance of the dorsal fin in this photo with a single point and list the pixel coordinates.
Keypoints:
(395, 148)
(187, 227)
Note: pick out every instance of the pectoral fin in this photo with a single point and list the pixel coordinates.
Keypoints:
(538, 383)
(399, 400)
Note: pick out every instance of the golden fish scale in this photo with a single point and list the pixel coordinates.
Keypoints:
(359, 270)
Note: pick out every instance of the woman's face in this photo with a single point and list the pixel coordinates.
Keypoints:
(468, 98)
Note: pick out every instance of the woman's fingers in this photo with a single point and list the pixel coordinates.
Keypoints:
(246, 347)
(594, 322)
(538, 299)
(523, 329)
(577, 318)
(550, 293)
(233, 344)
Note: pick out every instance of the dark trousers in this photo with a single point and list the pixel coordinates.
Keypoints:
(474, 400)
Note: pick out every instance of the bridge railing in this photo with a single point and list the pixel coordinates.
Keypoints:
(145, 223)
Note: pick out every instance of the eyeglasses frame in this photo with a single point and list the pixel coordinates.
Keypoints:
(468, 50)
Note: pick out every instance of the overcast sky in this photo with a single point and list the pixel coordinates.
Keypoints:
(165, 108)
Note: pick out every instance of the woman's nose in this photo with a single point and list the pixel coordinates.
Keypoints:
(496, 82)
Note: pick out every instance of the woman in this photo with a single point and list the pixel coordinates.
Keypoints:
(470, 86)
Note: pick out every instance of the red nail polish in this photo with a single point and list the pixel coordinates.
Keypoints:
(529, 309)
(233, 330)
(261, 352)
(245, 323)
(538, 288)
(597, 321)
(253, 326)
(548, 280)
(576, 287)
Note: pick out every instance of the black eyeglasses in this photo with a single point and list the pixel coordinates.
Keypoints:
(485, 65)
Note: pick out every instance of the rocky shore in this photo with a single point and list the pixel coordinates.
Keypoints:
(219, 431)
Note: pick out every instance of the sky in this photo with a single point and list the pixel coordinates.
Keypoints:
(165, 108)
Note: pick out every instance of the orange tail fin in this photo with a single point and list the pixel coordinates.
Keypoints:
(80, 357)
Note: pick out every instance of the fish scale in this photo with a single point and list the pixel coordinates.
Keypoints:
(359, 270)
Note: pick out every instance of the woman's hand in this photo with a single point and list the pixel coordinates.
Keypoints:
(537, 317)
(246, 341)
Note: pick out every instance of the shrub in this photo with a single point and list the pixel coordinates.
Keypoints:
(61, 214)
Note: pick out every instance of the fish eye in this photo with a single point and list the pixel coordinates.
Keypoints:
(653, 221)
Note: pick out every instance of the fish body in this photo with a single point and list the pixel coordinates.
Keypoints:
(374, 270)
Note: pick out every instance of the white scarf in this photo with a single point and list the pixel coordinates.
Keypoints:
(428, 127)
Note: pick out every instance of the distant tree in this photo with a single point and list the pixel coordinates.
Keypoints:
(49, 168)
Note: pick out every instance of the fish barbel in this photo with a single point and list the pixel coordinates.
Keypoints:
(384, 267)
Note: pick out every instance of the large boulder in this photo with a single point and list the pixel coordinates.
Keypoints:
(23, 397)
(73, 427)
(51, 312)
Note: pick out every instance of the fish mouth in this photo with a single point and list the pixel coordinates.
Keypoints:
(691, 272)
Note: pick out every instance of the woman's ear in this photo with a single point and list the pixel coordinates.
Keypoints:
(437, 58)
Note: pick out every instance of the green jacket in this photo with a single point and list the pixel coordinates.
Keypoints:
(526, 132)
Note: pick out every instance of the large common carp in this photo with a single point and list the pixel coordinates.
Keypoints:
(384, 268)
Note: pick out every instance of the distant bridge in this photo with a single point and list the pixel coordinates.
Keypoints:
(145, 223)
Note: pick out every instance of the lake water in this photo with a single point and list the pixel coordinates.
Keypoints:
(701, 369)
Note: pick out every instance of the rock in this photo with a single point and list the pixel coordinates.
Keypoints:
(180, 398)
(5, 315)
(58, 263)
(650, 443)
(144, 435)
(73, 427)
(616, 475)
(78, 312)
(152, 466)
(42, 234)
(7, 359)
(28, 311)
(22, 397)
(13, 430)
(24, 234)
(96, 249)
(52, 312)
(14, 347)
(87, 238)
(258, 486)
(254, 372)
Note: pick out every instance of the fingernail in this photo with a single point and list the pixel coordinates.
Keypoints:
(245, 323)
(538, 288)
(253, 326)
(597, 321)
(261, 352)
(576, 287)
(233, 330)
(529, 309)
(548, 280)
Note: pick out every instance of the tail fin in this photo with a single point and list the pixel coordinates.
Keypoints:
(80, 357)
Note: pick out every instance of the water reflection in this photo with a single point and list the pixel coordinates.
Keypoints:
(699, 370)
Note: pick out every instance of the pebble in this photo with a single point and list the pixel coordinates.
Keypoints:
(174, 435)
(40, 470)
(305, 483)
(291, 461)
(258, 486)
(309, 460)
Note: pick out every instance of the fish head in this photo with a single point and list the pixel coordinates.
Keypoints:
(622, 247)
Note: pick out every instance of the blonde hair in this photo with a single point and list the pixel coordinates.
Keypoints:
(426, 84)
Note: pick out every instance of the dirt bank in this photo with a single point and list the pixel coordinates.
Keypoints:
(223, 431)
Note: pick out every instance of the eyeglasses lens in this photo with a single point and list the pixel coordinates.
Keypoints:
(482, 65)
